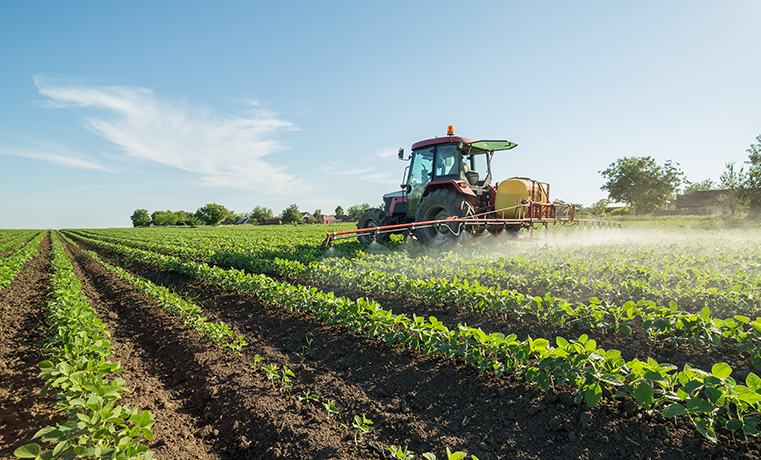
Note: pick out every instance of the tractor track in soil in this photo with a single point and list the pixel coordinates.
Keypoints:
(416, 400)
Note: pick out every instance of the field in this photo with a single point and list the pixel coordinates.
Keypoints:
(251, 343)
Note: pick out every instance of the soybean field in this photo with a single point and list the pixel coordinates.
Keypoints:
(249, 342)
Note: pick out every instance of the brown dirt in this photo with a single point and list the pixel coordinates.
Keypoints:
(208, 402)
(22, 315)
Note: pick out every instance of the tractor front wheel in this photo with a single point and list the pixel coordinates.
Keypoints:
(439, 205)
(373, 218)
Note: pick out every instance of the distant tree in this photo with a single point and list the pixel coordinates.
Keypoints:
(212, 213)
(291, 215)
(186, 218)
(641, 183)
(355, 211)
(339, 210)
(693, 187)
(163, 218)
(750, 188)
(140, 218)
(731, 179)
(260, 213)
(599, 207)
(317, 213)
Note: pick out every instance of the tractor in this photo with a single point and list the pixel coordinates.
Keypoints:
(448, 190)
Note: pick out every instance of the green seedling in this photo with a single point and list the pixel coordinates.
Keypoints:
(285, 379)
(362, 425)
(309, 397)
(257, 360)
(272, 371)
(401, 454)
(308, 349)
(330, 408)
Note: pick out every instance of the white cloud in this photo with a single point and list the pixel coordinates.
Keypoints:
(50, 152)
(346, 172)
(387, 153)
(227, 151)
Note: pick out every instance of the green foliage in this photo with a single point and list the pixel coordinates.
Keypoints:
(163, 218)
(641, 182)
(76, 376)
(291, 215)
(599, 207)
(140, 218)
(695, 273)
(260, 213)
(750, 189)
(339, 210)
(355, 211)
(692, 187)
(212, 213)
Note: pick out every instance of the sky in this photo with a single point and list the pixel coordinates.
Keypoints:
(109, 107)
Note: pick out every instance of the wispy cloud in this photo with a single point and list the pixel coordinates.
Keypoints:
(225, 150)
(50, 152)
(331, 171)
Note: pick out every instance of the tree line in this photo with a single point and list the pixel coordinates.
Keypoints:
(214, 214)
(645, 185)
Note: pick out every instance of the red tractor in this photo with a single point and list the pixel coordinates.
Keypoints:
(448, 189)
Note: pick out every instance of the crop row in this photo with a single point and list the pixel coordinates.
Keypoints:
(12, 241)
(217, 332)
(13, 263)
(698, 271)
(76, 375)
(707, 399)
(665, 322)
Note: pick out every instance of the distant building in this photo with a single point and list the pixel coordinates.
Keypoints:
(323, 219)
(273, 221)
(244, 221)
(702, 202)
(306, 215)
(343, 218)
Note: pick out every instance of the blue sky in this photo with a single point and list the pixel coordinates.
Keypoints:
(107, 107)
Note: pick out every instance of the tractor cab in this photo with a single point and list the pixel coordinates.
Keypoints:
(459, 163)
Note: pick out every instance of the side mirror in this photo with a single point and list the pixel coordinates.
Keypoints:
(408, 189)
(401, 153)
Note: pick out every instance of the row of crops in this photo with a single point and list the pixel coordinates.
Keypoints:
(698, 288)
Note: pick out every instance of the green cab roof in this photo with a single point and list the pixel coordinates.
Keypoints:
(491, 146)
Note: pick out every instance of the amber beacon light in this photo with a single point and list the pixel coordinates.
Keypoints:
(450, 130)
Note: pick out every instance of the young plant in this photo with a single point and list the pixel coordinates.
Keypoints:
(257, 360)
(285, 378)
(401, 454)
(308, 397)
(330, 408)
(362, 425)
(308, 349)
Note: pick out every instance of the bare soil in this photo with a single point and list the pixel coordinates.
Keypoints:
(211, 403)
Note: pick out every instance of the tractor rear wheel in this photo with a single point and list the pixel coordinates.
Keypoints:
(373, 218)
(439, 205)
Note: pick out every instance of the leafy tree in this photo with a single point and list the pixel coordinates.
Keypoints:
(186, 218)
(212, 213)
(750, 187)
(140, 218)
(260, 213)
(339, 210)
(693, 187)
(641, 183)
(599, 207)
(355, 211)
(163, 218)
(291, 215)
(731, 179)
(317, 213)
